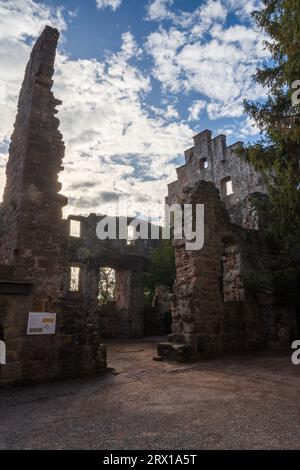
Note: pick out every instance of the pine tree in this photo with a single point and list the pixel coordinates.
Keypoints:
(277, 154)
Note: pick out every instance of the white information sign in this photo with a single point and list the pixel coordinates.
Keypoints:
(41, 323)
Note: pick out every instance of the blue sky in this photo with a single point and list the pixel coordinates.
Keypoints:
(137, 78)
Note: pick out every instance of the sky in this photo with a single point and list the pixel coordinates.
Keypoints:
(138, 78)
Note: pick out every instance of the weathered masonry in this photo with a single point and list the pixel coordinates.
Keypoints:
(34, 266)
(212, 160)
(109, 276)
(222, 301)
(61, 289)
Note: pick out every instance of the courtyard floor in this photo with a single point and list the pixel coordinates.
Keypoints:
(244, 402)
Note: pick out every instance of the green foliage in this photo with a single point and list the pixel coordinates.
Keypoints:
(278, 118)
(107, 286)
(277, 154)
(162, 270)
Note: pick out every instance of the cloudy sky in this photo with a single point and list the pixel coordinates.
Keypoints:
(138, 78)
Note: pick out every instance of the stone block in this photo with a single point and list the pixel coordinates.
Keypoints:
(174, 352)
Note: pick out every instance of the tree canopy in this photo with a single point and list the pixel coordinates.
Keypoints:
(277, 154)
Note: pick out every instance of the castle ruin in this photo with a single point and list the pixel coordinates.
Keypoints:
(53, 310)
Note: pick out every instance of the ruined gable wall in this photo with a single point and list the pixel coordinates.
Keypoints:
(223, 162)
(33, 241)
(33, 232)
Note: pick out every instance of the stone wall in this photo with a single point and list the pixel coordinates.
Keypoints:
(122, 318)
(198, 302)
(211, 160)
(31, 212)
(34, 238)
(74, 350)
(216, 308)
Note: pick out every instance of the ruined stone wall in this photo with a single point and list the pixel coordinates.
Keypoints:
(33, 242)
(198, 302)
(74, 350)
(216, 308)
(221, 162)
(31, 212)
(122, 318)
(118, 251)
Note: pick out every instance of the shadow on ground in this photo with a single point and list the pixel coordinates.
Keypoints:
(242, 402)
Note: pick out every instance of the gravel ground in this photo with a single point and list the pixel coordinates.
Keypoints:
(244, 402)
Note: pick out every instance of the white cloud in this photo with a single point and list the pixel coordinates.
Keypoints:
(169, 112)
(21, 19)
(195, 110)
(164, 46)
(20, 22)
(249, 128)
(242, 130)
(113, 4)
(114, 143)
(218, 66)
(213, 9)
(129, 46)
(243, 8)
(159, 10)
(200, 19)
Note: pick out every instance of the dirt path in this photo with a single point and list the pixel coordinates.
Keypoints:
(246, 402)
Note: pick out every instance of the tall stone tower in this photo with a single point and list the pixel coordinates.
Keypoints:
(33, 235)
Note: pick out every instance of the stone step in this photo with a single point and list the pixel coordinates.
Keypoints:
(174, 352)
